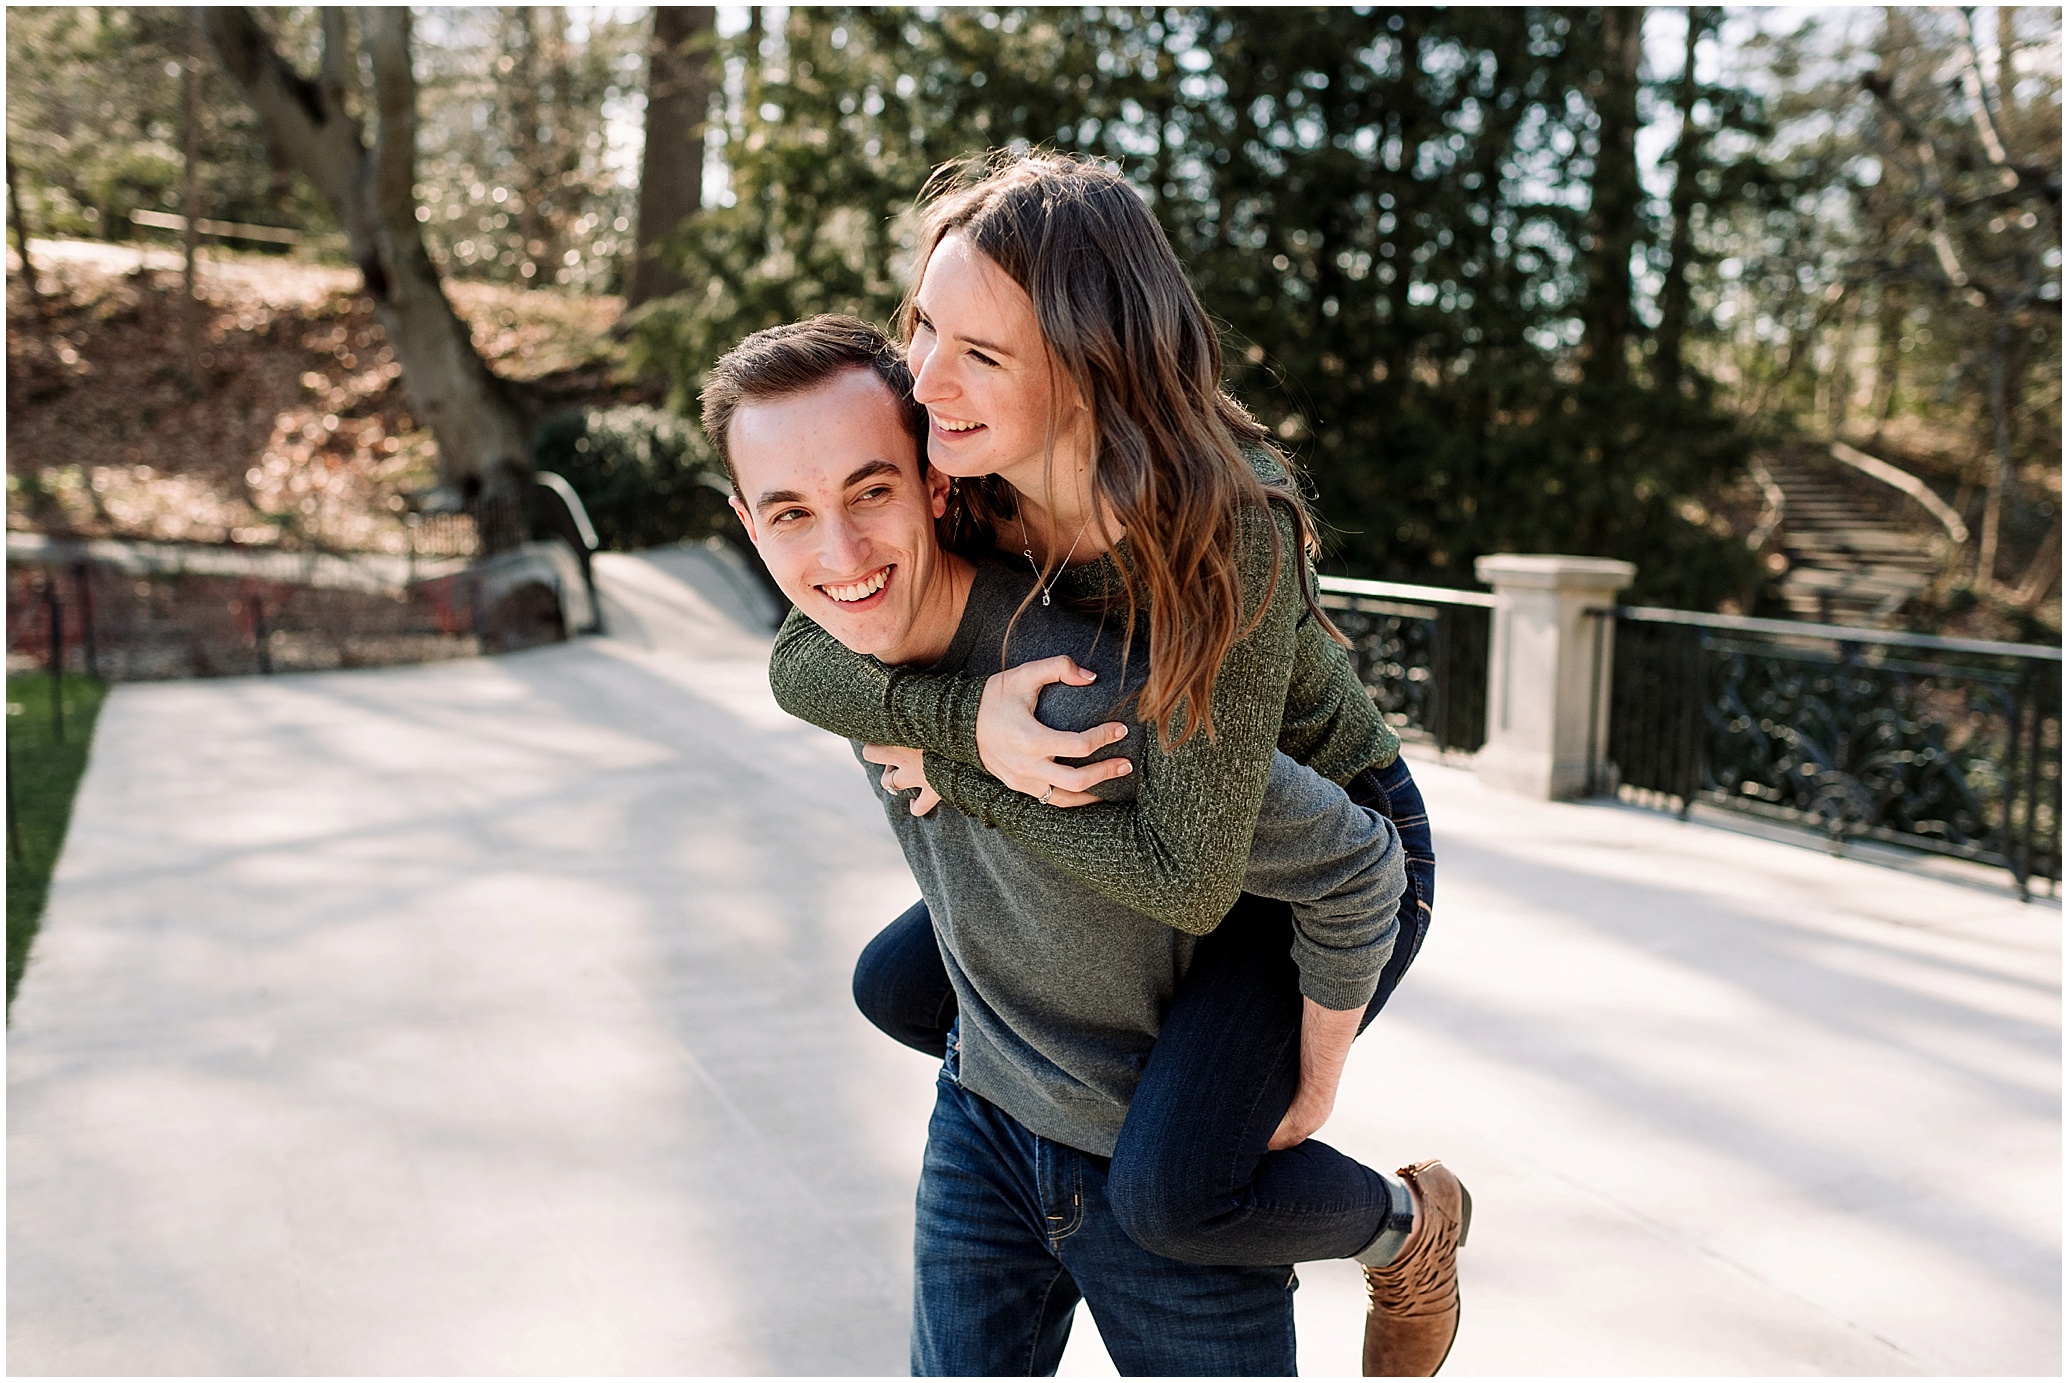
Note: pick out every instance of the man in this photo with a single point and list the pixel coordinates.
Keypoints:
(1059, 990)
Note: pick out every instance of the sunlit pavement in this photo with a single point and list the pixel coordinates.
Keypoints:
(492, 1017)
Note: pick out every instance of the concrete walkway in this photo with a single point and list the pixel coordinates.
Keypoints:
(491, 1017)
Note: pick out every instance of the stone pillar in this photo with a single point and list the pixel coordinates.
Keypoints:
(1542, 692)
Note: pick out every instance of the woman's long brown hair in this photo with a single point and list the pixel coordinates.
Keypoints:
(1120, 318)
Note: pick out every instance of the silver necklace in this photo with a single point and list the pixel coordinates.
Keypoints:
(1027, 551)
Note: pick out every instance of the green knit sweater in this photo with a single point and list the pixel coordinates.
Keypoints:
(1177, 851)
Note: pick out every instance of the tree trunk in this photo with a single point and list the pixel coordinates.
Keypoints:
(1840, 393)
(190, 203)
(2044, 571)
(671, 172)
(1687, 165)
(21, 239)
(1887, 355)
(2001, 386)
(2006, 53)
(479, 427)
(1617, 197)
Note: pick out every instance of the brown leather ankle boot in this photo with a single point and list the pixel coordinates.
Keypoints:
(1413, 1315)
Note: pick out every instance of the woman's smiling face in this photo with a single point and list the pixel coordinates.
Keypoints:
(984, 374)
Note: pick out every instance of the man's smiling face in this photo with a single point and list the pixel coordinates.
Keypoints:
(831, 491)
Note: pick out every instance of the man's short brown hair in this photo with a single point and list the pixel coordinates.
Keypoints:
(796, 358)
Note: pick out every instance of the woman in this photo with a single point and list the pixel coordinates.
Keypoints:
(1072, 383)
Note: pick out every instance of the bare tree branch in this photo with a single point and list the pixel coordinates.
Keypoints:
(2030, 179)
(1978, 95)
(315, 135)
(1949, 262)
(1927, 169)
(1882, 89)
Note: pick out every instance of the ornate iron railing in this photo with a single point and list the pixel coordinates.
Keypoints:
(1945, 745)
(1422, 652)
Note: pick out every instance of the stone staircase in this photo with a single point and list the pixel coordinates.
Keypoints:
(1857, 551)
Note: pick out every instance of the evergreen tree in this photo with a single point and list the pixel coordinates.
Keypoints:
(1388, 210)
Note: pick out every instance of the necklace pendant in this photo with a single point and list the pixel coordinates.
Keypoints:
(1044, 597)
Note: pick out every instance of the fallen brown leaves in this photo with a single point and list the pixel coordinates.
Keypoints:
(298, 431)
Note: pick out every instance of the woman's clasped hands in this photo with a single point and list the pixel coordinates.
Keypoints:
(1020, 752)
(1017, 749)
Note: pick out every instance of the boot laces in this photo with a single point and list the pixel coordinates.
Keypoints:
(1424, 1279)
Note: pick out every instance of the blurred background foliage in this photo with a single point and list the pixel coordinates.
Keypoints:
(518, 178)
(647, 477)
(1443, 280)
(1528, 278)
(96, 119)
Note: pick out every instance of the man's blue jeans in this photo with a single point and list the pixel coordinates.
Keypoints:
(1193, 1176)
(1014, 1229)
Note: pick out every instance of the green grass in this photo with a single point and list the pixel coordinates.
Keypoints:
(42, 777)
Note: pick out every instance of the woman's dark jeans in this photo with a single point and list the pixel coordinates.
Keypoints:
(902, 987)
(1192, 1177)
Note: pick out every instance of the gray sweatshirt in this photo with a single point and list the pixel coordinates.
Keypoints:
(1061, 990)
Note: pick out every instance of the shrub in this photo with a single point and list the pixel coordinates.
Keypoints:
(647, 477)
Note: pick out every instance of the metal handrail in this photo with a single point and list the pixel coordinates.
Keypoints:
(1841, 633)
(1400, 590)
(1422, 652)
(1896, 478)
(575, 511)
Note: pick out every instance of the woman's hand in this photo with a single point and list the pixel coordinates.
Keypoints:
(904, 769)
(1020, 752)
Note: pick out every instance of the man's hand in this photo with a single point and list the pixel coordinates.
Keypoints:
(1325, 1038)
(904, 769)
(1020, 752)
